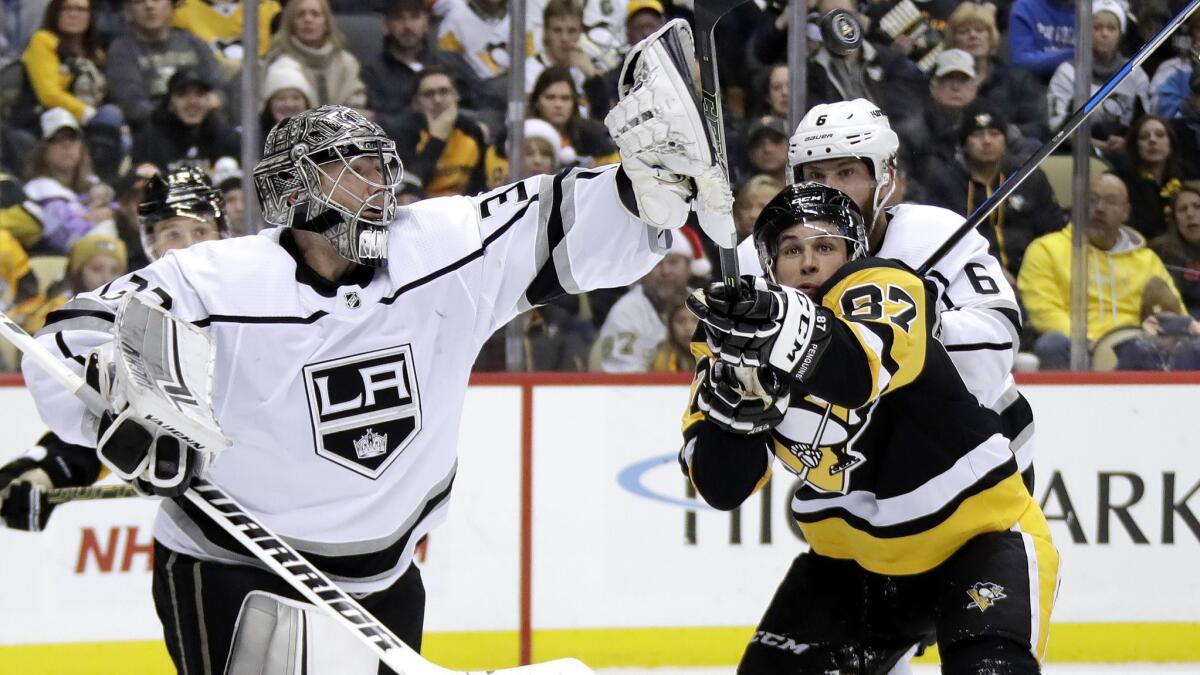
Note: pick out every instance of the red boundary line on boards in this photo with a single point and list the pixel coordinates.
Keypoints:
(525, 616)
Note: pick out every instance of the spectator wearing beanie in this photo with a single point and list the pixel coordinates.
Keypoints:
(285, 92)
(981, 165)
(185, 126)
(1041, 34)
(542, 152)
(1128, 100)
(94, 261)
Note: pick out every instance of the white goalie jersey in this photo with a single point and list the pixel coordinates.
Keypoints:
(979, 319)
(343, 402)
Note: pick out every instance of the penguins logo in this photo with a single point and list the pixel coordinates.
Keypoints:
(984, 594)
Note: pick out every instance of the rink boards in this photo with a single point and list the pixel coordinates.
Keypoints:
(571, 533)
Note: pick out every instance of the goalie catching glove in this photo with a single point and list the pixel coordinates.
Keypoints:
(760, 323)
(660, 133)
(743, 400)
(159, 432)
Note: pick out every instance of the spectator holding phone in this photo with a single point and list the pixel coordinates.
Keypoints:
(1170, 340)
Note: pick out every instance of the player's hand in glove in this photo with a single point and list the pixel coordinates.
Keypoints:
(23, 485)
(743, 400)
(760, 323)
(24, 481)
(139, 452)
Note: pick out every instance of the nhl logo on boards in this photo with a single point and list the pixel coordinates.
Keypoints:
(365, 408)
(352, 300)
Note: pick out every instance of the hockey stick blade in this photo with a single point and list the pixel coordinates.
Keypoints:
(708, 13)
(277, 554)
(1073, 122)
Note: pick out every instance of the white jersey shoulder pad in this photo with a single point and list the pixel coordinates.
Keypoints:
(915, 231)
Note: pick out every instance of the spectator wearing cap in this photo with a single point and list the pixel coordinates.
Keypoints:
(218, 23)
(65, 67)
(408, 48)
(979, 168)
(1018, 95)
(1179, 248)
(93, 261)
(185, 127)
(642, 18)
(932, 134)
(309, 37)
(1041, 35)
(443, 146)
(1152, 172)
(227, 178)
(1119, 268)
(767, 147)
(636, 324)
(542, 152)
(60, 176)
(1125, 103)
(141, 61)
(285, 92)
(1173, 79)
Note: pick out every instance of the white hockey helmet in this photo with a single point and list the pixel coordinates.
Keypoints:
(855, 128)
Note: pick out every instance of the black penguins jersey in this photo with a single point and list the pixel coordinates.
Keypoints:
(900, 464)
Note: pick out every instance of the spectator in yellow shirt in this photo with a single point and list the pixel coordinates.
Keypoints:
(1119, 265)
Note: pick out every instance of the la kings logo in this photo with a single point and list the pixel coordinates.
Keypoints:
(365, 408)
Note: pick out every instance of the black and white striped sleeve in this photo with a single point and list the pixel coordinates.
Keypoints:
(548, 236)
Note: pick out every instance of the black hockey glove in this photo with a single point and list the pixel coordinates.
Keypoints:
(761, 324)
(153, 462)
(23, 485)
(743, 400)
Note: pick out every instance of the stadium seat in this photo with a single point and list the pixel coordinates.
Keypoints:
(364, 34)
(1058, 171)
(1103, 355)
(47, 269)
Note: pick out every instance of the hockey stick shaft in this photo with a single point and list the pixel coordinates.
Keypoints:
(708, 13)
(1073, 122)
(90, 492)
(273, 551)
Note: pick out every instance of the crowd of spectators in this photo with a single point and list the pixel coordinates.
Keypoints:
(96, 96)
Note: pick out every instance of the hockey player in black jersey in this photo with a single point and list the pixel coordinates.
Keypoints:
(910, 497)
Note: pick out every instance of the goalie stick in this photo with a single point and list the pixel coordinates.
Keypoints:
(1077, 118)
(277, 554)
(708, 13)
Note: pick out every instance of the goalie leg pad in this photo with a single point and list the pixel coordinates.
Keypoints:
(279, 636)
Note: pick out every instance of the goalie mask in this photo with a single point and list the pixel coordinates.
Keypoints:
(808, 203)
(185, 192)
(332, 171)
